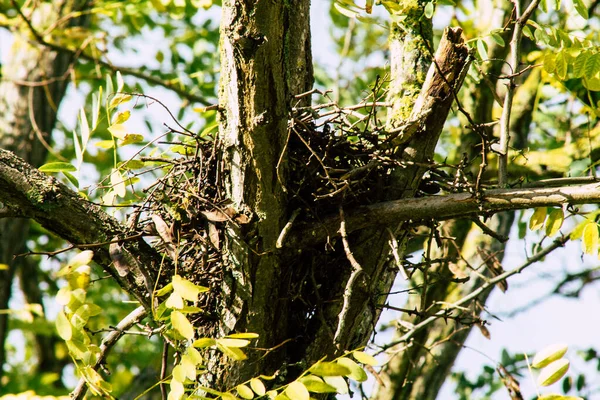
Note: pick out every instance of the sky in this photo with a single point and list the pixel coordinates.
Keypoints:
(572, 321)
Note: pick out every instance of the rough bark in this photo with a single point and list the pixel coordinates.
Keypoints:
(32, 86)
(265, 61)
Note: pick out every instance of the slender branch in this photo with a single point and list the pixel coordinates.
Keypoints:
(356, 271)
(109, 341)
(490, 283)
(515, 54)
(124, 70)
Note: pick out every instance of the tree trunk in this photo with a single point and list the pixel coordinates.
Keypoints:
(33, 84)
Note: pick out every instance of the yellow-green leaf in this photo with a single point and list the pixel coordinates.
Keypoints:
(554, 221)
(592, 66)
(204, 342)
(187, 289)
(194, 355)
(561, 65)
(297, 391)
(182, 325)
(364, 358)
(118, 99)
(164, 290)
(538, 218)
(189, 366)
(590, 238)
(83, 258)
(118, 130)
(228, 396)
(105, 144)
(556, 396)
(246, 335)
(338, 383)
(549, 354)
(122, 117)
(244, 391)
(118, 183)
(179, 373)
(315, 384)
(329, 369)
(553, 372)
(57, 167)
(132, 138)
(233, 342)
(232, 352)
(258, 387)
(356, 371)
(63, 326)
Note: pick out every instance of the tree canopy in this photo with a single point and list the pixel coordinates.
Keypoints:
(195, 204)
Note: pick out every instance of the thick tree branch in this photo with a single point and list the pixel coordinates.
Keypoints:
(443, 208)
(63, 212)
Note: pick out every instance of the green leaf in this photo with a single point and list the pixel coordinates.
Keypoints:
(85, 128)
(244, 391)
(175, 301)
(356, 372)
(74, 181)
(344, 10)
(581, 8)
(592, 66)
(554, 222)
(164, 290)
(482, 49)
(63, 326)
(498, 39)
(119, 99)
(590, 238)
(57, 167)
(297, 391)
(258, 387)
(324, 368)
(365, 358)
(120, 82)
(132, 138)
(549, 354)
(592, 84)
(555, 396)
(561, 65)
(96, 107)
(182, 325)
(538, 218)
(228, 396)
(315, 384)
(579, 64)
(429, 8)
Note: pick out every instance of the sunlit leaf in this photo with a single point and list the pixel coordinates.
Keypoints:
(63, 326)
(57, 167)
(258, 387)
(232, 352)
(244, 391)
(187, 289)
(592, 66)
(105, 144)
(364, 358)
(356, 371)
(132, 138)
(579, 64)
(538, 218)
(324, 368)
(297, 391)
(244, 335)
(482, 49)
(118, 183)
(122, 117)
(182, 325)
(553, 372)
(204, 342)
(85, 128)
(175, 301)
(590, 238)
(554, 221)
(315, 384)
(233, 342)
(581, 8)
(549, 354)
(120, 82)
(118, 130)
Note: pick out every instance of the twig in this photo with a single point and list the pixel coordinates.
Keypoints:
(286, 229)
(163, 370)
(515, 53)
(124, 70)
(442, 313)
(356, 271)
(394, 246)
(488, 231)
(109, 341)
(80, 246)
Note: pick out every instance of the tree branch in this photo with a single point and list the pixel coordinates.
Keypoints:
(441, 208)
(109, 341)
(124, 70)
(65, 213)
